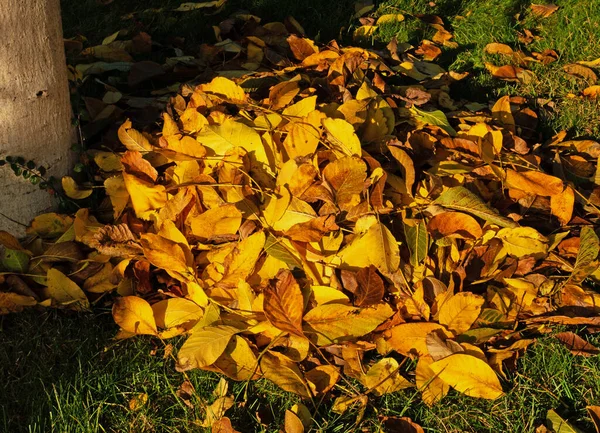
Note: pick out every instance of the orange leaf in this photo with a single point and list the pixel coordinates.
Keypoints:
(283, 304)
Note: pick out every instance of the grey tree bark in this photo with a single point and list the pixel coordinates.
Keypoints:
(35, 113)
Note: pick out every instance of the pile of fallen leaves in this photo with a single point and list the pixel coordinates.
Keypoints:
(319, 215)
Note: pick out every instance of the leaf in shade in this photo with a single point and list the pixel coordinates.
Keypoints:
(417, 240)
(587, 255)
(461, 199)
(456, 224)
(284, 305)
(370, 289)
(312, 230)
(394, 424)
(576, 344)
(346, 177)
(284, 373)
(594, 413)
(558, 424)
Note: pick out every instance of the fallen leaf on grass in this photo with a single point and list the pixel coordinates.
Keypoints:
(576, 344)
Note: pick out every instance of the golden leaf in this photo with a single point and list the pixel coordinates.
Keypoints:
(342, 137)
(173, 312)
(215, 222)
(523, 241)
(432, 388)
(376, 247)
(410, 338)
(204, 346)
(460, 311)
(384, 377)
(134, 315)
(224, 88)
(534, 182)
(65, 291)
(334, 323)
(133, 139)
(145, 197)
(455, 224)
(285, 374)
(469, 375)
(561, 205)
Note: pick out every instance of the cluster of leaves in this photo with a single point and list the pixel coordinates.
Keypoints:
(319, 215)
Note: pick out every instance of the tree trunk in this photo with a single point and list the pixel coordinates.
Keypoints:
(35, 111)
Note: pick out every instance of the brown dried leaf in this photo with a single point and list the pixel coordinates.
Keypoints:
(576, 344)
(543, 10)
(284, 305)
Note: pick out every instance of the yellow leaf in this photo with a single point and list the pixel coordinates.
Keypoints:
(376, 247)
(460, 311)
(172, 312)
(342, 137)
(238, 361)
(217, 409)
(132, 139)
(117, 192)
(562, 204)
(14, 303)
(215, 222)
(534, 182)
(523, 241)
(390, 18)
(455, 224)
(145, 197)
(304, 135)
(224, 88)
(469, 375)
(283, 93)
(328, 295)
(409, 339)
(231, 133)
(592, 92)
(323, 378)
(384, 377)
(65, 291)
(501, 112)
(334, 323)
(243, 259)
(167, 254)
(347, 177)
(293, 424)
(301, 108)
(204, 346)
(134, 315)
(432, 388)
(49, 225)
(108, 161)
(285, 374)
(192, 120)
(184, 148)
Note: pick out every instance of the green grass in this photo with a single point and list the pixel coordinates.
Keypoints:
(572, 31)
(64, 373)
